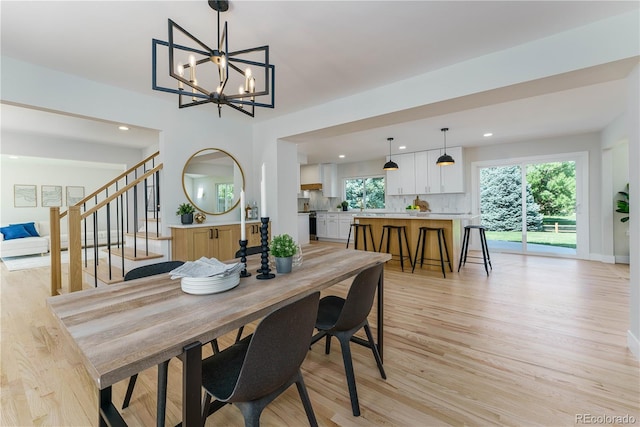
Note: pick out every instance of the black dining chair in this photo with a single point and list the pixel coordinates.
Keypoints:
(342, 318)
(163, 368)
(253, 372)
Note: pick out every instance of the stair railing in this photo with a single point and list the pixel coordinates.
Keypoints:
(119, 198)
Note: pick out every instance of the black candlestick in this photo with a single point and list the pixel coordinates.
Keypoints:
(243, 258)
(264, 242)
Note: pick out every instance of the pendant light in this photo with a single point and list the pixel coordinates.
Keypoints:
(445, 159)
(390, 165)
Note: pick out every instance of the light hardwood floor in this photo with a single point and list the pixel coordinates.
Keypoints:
(541, 341)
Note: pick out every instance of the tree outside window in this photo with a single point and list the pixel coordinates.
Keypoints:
(366, 193)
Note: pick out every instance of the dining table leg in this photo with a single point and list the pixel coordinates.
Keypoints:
(192, 385)
(381, 315)
(109, 415)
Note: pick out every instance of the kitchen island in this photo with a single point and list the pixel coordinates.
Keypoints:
(451, 223)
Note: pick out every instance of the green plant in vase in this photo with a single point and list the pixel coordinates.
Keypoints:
(283, 248)
(186, 210)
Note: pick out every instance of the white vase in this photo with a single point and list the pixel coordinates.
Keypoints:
(283, 265)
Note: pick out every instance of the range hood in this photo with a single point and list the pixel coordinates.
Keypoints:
(311, 187)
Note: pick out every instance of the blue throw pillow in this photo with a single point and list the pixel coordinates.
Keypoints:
(14, 232)
(30, 227)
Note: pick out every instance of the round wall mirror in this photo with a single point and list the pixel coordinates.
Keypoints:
(212, 180)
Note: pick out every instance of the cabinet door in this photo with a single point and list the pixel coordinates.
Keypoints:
(422, 172)
(225, 242)
(433, 172)
(452, 177)
(202, 243)
(403, 180)
(321, 225)
(332, 226)
(253, 235)
(343, 226)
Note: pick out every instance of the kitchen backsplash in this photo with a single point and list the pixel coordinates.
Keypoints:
(439, 203)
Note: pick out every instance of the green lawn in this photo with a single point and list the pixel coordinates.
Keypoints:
(565, 239)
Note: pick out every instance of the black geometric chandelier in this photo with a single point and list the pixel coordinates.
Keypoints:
(204, 75)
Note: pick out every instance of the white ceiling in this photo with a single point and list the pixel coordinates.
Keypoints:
(322, 51)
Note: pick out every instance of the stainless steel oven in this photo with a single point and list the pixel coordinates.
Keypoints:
(312, 225)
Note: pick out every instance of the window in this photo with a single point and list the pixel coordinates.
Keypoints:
(225, 196)
(366, 193)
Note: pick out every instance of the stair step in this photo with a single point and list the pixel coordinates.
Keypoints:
(117, 275)
(152, 236)
(129, 254)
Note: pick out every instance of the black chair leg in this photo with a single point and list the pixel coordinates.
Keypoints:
(373, 245)
(400, 248)
(306, 402)
(351, 378)
(463, 252)
(374, 349)
(446, 250)
(214, 346)
(349, 238)
(441, 257)
(406, 243)
(327, 345)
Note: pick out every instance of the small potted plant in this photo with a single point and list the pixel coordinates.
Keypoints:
(344, 205)
(283, 248)
(623, 204)
(186, 210)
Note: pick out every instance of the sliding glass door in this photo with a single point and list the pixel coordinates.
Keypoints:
(534, 205)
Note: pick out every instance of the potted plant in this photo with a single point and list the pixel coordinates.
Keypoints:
(186, 210)
(344, 205)
(623, 205)
(283, 248)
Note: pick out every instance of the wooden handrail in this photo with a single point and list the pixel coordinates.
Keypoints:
(116, 179)
(121, 191)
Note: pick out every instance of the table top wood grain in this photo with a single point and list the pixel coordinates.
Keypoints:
(125, 328)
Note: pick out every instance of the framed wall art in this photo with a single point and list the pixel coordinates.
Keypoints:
(25, 196)
(51, 195)
(74, 195)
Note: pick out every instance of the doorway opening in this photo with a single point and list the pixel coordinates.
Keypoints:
(534, 205)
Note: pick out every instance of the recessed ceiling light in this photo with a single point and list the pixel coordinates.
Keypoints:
(402, 147)
(123, 128)
(14, 157)
(341, 156)
(487, 135)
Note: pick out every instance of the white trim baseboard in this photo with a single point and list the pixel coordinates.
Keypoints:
(634, 344)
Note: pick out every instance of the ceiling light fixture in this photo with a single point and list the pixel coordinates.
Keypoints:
(445, 159)
(390, 165)
(487, 135)
(123, 127)
(218, 70)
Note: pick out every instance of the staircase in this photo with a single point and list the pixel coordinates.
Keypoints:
(127, 208)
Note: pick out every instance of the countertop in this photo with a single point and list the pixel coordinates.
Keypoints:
(420, 215)
(212, 224)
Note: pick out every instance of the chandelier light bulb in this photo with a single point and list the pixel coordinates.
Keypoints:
(181, 74)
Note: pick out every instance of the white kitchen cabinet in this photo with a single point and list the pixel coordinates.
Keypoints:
(403, 180)
(321, 225)
(332, 226)
(310, 174)
(452, 177)
(445, 179)
(344, 224)
(421, 162)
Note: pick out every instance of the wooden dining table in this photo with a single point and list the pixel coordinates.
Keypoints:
(125, 328)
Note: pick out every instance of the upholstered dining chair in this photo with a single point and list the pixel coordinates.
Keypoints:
(253, 372)
(342, 318)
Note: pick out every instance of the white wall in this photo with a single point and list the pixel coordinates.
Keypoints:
(40, 171)
(633, 129)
